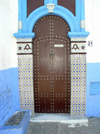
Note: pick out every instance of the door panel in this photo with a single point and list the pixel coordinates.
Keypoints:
(51, 66)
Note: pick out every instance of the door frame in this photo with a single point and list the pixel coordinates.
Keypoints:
(77, 36)
(66, 49)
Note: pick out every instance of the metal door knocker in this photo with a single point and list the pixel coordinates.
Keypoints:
(51, 55)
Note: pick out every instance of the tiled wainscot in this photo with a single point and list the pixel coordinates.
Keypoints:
(25, 74)
(78, 85)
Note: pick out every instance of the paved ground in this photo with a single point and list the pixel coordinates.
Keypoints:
(92, 127)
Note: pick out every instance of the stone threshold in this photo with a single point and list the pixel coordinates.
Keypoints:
(58, 117)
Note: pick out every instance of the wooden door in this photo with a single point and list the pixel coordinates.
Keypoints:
(51, 49)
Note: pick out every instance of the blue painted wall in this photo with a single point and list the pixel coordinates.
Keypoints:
(93, 69)
(93, 101)
(9, 98)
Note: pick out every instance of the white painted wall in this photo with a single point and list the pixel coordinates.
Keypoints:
(92, 16)
(8, 26)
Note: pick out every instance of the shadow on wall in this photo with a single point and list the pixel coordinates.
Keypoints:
(9, 99)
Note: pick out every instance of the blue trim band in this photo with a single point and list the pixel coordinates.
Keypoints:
(19, 8)
(59, 11)
(78, 34)
(78, 13)
(82, 10)
(73, 21)
(51, 1)
(24, 35)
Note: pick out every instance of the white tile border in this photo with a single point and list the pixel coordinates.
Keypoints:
(78, 39)
(24, 40)
(77, 47)
(25, 48)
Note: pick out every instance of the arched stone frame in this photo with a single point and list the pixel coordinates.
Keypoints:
(77, 36)
(59, 11)
(76, 23)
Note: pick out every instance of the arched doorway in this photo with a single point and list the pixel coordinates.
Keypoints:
(51, 65)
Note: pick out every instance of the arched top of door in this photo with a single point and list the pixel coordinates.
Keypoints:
(76, 23)
(43, 11)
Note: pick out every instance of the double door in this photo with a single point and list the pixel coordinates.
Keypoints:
(51, 67)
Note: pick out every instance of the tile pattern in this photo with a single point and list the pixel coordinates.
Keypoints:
(78, 85)
(25, 74)
(78, 47)
(24, 48)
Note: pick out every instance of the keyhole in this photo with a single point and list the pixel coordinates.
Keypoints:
(51, 55)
